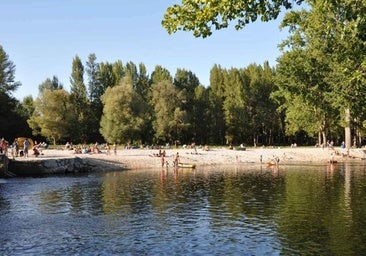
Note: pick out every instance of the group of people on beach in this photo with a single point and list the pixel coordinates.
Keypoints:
(92, 149)
(21, 147)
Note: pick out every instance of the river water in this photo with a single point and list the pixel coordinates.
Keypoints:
(236, 210)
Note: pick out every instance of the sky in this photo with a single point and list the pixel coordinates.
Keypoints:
(42, 38)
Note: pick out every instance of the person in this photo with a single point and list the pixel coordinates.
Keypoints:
(15, 147)
(108, 148)
(68, 146)
(115, 148)
(2, 141)
(343, 145)
(25, 147)
(176, 159)
(4, 146)
(162, 160)
(36, 149)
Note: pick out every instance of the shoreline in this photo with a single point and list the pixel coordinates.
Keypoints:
(146, 158)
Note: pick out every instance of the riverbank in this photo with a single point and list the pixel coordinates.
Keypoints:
(147, 158)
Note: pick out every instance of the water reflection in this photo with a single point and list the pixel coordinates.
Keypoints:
(290, 210)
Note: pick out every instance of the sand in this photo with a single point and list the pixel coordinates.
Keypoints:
(146, 158)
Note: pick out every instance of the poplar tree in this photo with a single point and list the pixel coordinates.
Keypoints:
(95, 92)
(186, 83)
(216, 98)
(80, 102)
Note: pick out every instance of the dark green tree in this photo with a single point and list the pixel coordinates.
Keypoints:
(13, 120)
(186, 83)
(234, 106)
(107, 76)
(95, 92)
(201, 115)
(7, 74)
(80, 102)
(216, 98)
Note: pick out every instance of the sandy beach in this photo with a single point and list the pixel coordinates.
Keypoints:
(146, 158)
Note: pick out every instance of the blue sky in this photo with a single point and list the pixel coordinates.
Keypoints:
(42, 37)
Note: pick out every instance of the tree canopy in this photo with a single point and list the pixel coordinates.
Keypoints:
(202, 16)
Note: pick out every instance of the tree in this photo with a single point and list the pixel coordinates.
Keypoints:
(263, 119)
(107, 76)
(234, 106)
(95, 91)
(28, 106)
(7, 74)
(201, 115)
(93, 72)
(50, 84)
(160, 74)
(143, 85)
(13, 120)
(53, 116)
(332, 34)
(123, 114)
(204, 15)
(143, 89)
(119, 71)
(187, 82)
(169, 118)
(216, 98)
(79, 101)
(301, 76)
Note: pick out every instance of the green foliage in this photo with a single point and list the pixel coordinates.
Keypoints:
(28, 106)
(123, 114)
(12, 115)
(7, 74)
(325, 44)
(216, 99)
(160, 74)
(169, 119)
(234, 107)
(95, 91)
(201, 115)
(53, 115)
(203, 16)
(50, 84)
(80, 102)
(186, 82)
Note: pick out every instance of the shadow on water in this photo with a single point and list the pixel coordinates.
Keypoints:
(246, 210)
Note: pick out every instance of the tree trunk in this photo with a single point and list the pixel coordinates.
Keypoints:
(324, 139)
(347, 129)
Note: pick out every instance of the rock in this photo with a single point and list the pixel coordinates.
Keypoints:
(48, 166)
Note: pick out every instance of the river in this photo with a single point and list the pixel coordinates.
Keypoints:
(225, 210)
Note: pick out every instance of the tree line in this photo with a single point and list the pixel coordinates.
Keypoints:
(122, 103)
(314, 94)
